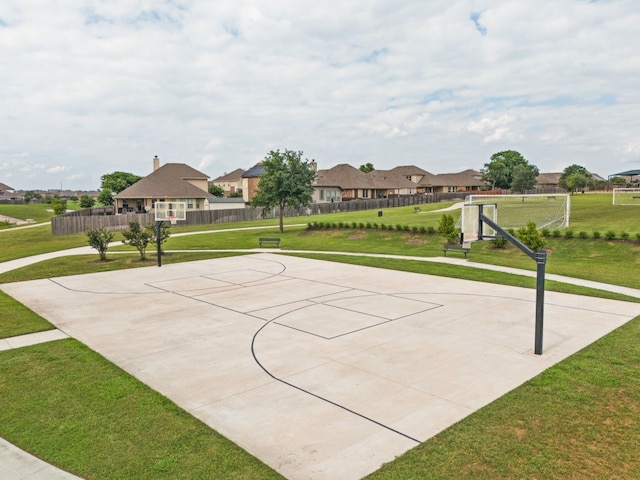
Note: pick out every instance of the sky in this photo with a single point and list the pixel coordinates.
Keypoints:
(92, 87)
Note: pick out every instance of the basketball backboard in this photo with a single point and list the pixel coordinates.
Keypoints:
(170, 211)
(473, 229)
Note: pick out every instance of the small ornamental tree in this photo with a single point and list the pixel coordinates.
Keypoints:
(530, 236)
(447, 228)
(58, 205)
(99, 238)
(139, 237)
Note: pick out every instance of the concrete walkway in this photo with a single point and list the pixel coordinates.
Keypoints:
(17, 464)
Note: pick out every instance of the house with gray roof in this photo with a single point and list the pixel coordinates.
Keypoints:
(171, 182)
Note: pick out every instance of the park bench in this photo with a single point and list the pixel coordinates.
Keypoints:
(269, 241)
(457, 247)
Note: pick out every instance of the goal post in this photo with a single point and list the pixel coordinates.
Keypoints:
(550, 211)
(626, 196)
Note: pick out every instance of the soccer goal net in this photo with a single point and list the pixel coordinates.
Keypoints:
(626, 196)
(515, 211)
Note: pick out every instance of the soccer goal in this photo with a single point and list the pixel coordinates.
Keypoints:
(626, 196)
(550, 211)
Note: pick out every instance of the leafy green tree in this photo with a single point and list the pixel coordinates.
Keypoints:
(574, 177)
(99, 238)
(236, 194)
(577, 181)
(447, 228)
(31, 195)
(531, 237)
(139, 237)
(216, 191)
(118, 181)
(617, 181)
(286, 182)
(105, 197)
(524, 177)
(86, 201)
(58, 205)
(367, 167)
(499, 171)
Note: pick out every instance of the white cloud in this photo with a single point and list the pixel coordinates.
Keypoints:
(103, 86)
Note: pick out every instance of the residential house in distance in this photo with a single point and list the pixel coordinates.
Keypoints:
(465, 181)
(171, 182)
(6, 191)
(230, 183)
(250, 180)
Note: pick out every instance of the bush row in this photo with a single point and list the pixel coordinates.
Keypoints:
(569, 234)
(373, 225)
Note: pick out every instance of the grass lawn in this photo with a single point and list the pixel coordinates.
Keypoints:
(579, 419)
(70, 406)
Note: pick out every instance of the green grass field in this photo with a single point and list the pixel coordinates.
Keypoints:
(579, 419)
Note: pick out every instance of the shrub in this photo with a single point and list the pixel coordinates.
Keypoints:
(568, 234)
(583, 234)
(340, 224)
(383, 226)
(596, 234)
(499, 242)
(447, 228)
(334, 225)
(406, 228)
(99, 238)
(610, 235)
(422, 230)
(638, 237)
(624, 235)
(431, 230)
(361, 225)
(546, 232)
(415, 229)
(138, 237)
(556, 234)
(354, 224)
(375, 225)
(368, 224)
(399, 227)
(530, 236)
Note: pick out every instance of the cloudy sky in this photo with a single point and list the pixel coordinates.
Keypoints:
(96, 86)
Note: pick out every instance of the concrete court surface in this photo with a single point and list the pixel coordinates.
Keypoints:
(321, 370)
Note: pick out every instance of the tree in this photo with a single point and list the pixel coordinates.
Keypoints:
(86, 201)
(99, 238)
(31, 195)
(574, 177)
(286, 182)
(499, 171)
(139, 237)
(577, 181)
(524, 177)
(118, 181)
(367, 167)
(106, 197)
(58, 205)
(236, 194)
(216, 191)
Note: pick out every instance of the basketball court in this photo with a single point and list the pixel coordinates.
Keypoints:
(322, 370)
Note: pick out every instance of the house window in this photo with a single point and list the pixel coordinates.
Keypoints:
(198, 203)
(190, 203)
(452, 189)
(365, 193)
(321, 194)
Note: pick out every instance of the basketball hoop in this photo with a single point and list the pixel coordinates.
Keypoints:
(172, 219)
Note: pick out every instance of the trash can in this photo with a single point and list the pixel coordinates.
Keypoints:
(379, 213)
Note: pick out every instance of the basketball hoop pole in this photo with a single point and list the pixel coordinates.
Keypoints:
(541, 260)
(159, 241)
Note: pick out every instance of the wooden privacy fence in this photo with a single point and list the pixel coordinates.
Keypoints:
(76, 222)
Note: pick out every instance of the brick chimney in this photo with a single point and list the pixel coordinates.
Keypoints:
(156, 163)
